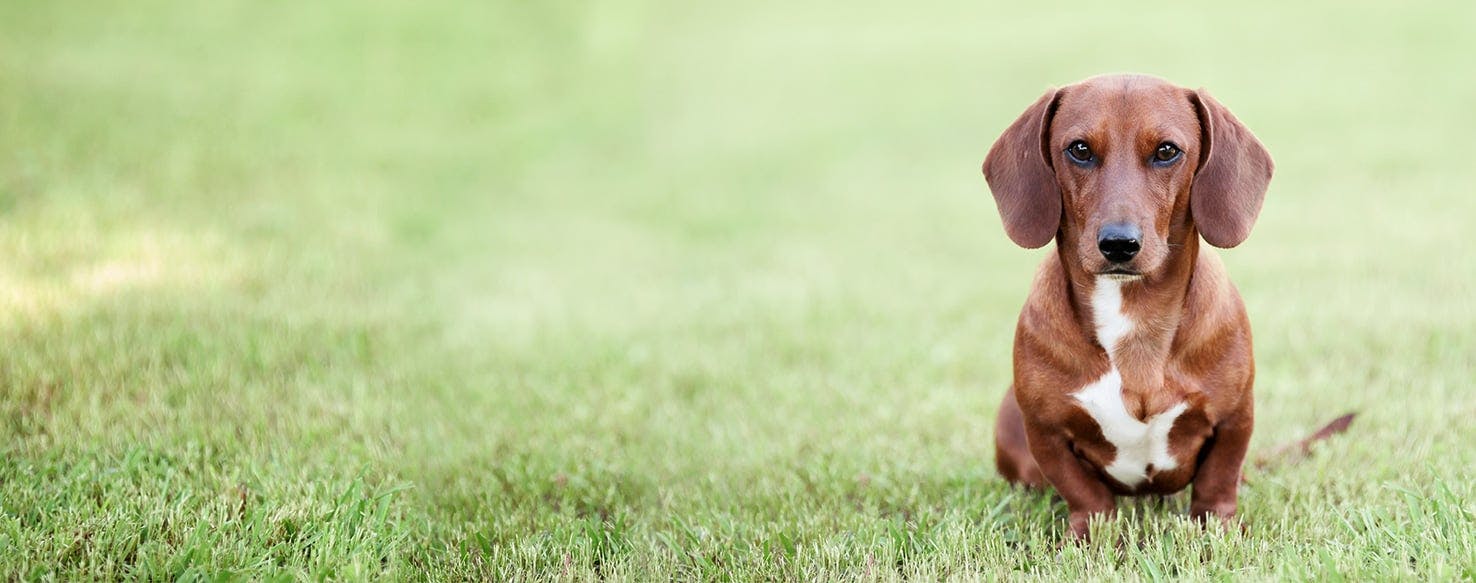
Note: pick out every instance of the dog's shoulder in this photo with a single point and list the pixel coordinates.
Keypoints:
(1048, 305)
(1050, 342)
(1214, 314)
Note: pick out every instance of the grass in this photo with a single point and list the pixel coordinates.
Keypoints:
(642, 290)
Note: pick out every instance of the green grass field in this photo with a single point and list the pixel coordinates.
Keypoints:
(648, 290)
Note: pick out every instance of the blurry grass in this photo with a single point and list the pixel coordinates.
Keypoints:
(647, 289)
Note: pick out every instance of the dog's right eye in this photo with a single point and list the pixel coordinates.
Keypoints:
(1079, 151)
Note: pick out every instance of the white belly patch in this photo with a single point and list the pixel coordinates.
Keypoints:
(1139, 444)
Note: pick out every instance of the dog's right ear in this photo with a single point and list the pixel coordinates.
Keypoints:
(1018, 169)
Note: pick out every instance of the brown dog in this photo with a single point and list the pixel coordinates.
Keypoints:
(1133, 363)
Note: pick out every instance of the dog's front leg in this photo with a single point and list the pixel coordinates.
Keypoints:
(1086, 496)
(1217, 481)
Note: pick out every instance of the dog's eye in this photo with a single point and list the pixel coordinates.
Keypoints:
(1079, 151)
(1166, 152)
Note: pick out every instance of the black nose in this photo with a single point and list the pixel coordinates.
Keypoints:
(1118, 242)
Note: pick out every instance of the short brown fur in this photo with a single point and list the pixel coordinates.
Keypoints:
(1191, 339)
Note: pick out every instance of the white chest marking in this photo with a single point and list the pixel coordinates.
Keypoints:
(1139, 444)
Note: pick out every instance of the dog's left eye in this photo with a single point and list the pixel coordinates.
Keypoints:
(1166, 152)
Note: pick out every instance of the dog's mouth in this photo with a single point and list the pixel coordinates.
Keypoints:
(1120, 274)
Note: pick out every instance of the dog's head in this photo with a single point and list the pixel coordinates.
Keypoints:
(1121, 167)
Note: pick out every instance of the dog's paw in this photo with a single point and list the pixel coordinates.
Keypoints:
(1225, 519)
(1080, 524)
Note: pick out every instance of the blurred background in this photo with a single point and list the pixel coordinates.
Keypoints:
(541, 284)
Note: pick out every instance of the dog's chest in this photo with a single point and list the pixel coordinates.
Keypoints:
(1141, 447)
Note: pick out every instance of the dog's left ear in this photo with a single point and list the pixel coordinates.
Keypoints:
(1234, 170)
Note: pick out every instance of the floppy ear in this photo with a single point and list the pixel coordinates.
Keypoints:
(1234, 170)
(1018, 170)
